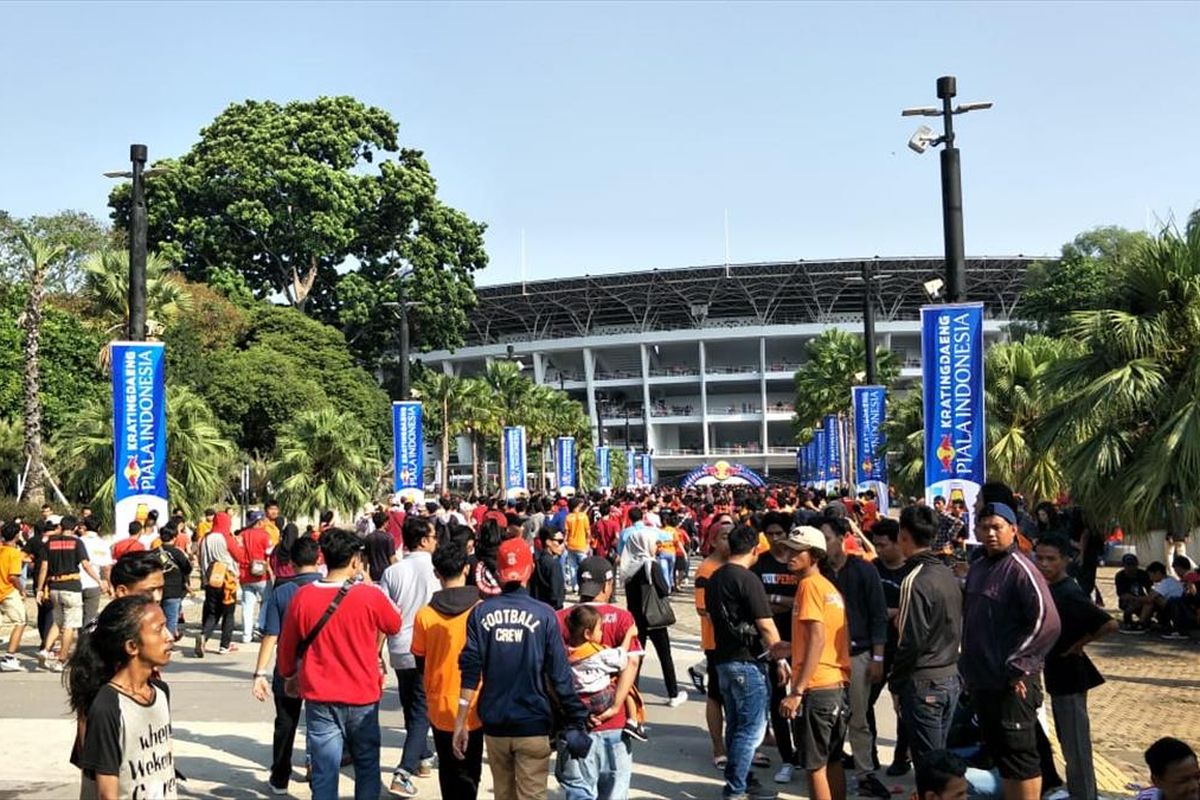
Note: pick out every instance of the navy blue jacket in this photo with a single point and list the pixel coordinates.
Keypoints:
(515, 647)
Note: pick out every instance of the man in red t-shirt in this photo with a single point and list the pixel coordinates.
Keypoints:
(254, 574)
(340, 677)
(605, 531)
(610, 760)
(130, 544)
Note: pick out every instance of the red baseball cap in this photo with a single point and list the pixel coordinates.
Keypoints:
(514, 562)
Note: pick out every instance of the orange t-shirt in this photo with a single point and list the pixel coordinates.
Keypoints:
(818, 600)
(440, 639)
(578, 527)
(10, 567)
(708, 640)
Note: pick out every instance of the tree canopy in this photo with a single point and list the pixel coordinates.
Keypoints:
(836, 361)
(285, 197)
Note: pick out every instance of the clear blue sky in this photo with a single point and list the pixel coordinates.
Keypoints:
(616, 135)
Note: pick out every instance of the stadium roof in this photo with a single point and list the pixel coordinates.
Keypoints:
(768, 293)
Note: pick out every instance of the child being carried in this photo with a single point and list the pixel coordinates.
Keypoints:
(595, 668)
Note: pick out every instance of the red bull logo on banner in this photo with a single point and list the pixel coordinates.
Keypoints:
(139, 431)
(722, 472)
(408, 451)
(952, 383)
(869, 407)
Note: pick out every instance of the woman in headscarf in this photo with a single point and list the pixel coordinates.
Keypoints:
(220, 555)
(641, 576)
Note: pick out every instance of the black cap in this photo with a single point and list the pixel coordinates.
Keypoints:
(594, 572)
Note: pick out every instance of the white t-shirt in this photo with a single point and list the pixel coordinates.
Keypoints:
(99, 553)
(1168, 588)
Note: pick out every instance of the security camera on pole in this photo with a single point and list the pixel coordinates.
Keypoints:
(952, 216)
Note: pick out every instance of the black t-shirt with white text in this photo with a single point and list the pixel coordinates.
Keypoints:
(780, 586)
(734, 598)
(64, 553)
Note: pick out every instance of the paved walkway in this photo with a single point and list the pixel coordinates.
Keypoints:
(223, 736)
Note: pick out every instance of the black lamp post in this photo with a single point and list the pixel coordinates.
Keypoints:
(868, 275)
(137, 246)
(952, 212)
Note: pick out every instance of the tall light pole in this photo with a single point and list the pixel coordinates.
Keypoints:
(868, 276)
(952, 214)
(137, 238)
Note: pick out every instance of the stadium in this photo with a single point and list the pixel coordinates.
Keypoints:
(696, 364)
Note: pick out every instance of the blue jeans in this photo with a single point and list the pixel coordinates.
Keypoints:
(666, 562)
(170, 607)
(926, 711)
(252, 595)
(746, 694)
(332, 727)
(603, 774)
(571, 561)
(416, 720)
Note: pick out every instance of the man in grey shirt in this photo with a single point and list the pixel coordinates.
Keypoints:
(410, 584)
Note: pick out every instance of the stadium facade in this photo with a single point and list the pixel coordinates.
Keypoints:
(697, 364)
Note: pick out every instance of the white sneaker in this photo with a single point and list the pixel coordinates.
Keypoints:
(10, 664)
(42, 657)
(678, 700)
(784, 774)
(55, 665)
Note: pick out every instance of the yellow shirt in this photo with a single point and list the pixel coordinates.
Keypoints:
(818, 600)
(272, 530)
(578, 528)
(202, 529)
(10, 565)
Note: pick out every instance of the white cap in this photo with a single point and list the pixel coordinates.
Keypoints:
(804, 537)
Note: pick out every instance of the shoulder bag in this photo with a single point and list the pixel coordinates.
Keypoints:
(291, 686)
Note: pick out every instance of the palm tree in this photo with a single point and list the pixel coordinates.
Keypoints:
(106, 285)
(1017, 399)
(510, 390)
(477, 409)
(12, 460)
(1128, 421)
(40, 255)
(904, 430)
(324, 460)
(199, 458)
(836, 361)
(444, 398)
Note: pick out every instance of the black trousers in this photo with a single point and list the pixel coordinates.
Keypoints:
(45, 621)
(900, 755)
(459, 779)
(782, 727)
(287, 719)
(661, 640)
(216, 611)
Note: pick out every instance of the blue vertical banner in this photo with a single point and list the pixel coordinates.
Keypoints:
(632, 469)
(821, 475)
(139, 433)
(833, 447)
(564, 465)
(408, 451)
(869, 405)
(514, 462)
(604, 468)
(647, 470)
(952, 382)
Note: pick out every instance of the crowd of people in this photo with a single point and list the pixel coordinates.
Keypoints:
(499, 624)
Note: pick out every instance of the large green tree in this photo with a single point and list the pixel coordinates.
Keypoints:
(1128, 421)
(76, 233)
(106, 288)
(1086, 277)
(315, 201)
(835, 361)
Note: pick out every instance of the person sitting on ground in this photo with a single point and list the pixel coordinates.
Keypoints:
(1173, 771)
(1163, 588)
(941, 775)
(1132, 583)
(1184, 611)
(595, 668)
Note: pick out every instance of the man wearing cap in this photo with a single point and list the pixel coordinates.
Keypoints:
(254, 573)
(515, 649)
(1009, 625)
(820, 665)
(604, 773)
